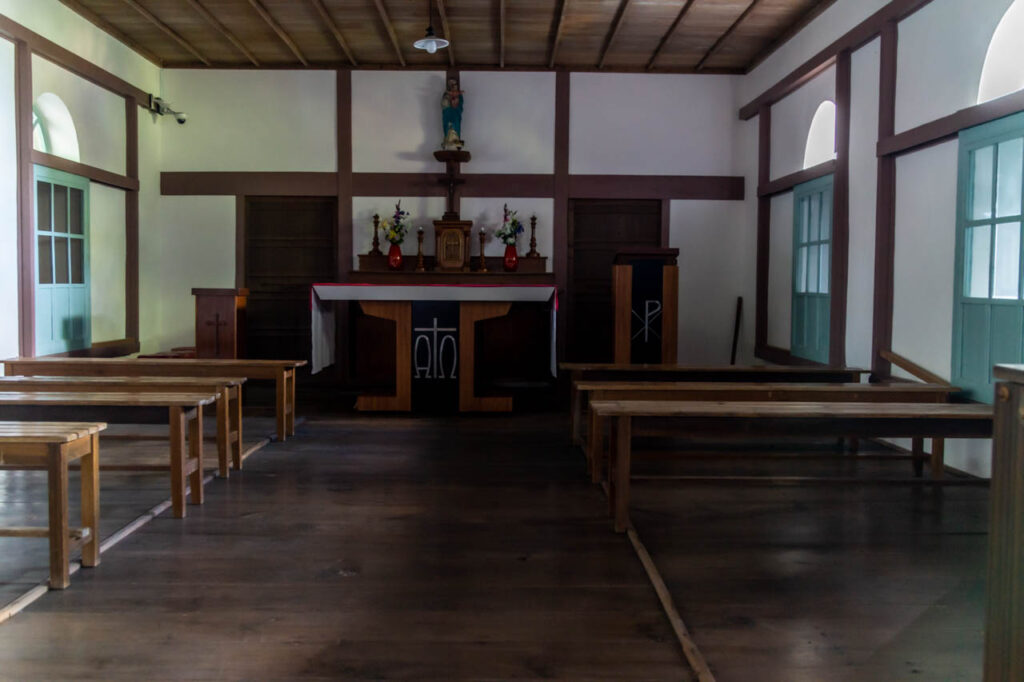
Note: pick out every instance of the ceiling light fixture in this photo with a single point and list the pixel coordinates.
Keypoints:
(430, 42)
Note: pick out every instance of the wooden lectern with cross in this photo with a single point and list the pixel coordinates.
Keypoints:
(220, 322)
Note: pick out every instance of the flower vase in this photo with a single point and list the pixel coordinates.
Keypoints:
(511, 258)
(395, 257)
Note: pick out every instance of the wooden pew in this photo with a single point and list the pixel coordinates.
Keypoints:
(713, 391)
(607, 371)
(886, 420)
(281, 371)
(53, 446)
(185, 413)
(229, 407)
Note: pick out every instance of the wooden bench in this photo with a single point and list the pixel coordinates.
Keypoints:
(52, 446)
(229, 407)
(890, 420)
(185, 413)
(281, 371)
(606, 371)
(706, 391)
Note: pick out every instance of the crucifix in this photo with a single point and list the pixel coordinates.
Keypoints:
(452, 161)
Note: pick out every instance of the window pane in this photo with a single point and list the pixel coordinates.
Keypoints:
(43, 206)
(77, 261)
(976, 250)
(801, 270)
(812, 269)
(1007, 261)
(1009, 178)
(60, 260)
(802, 213)
(982, 187)
(826, 216)
(814, 201)
(60, 208)
(45, 251)
(77, 205)
(823, 271)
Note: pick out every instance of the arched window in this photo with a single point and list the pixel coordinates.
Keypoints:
(1003, 71)
(821, 137)
(53, 130)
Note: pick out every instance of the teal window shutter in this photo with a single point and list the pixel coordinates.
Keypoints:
(812, 268)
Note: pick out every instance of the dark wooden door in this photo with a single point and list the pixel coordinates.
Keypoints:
(600, 228)
(289, 245)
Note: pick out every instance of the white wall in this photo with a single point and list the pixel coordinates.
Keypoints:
(244, 120)
(396, 121)
(791, 121)
(780, 271)
(643, 124)
(508, 122)
(106, 262)
(8, 206)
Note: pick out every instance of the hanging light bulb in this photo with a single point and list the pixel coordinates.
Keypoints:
(430, 42)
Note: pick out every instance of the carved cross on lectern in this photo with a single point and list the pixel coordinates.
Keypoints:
(216, 323)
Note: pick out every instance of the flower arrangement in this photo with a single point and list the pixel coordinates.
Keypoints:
(511, 227)
(395, 227)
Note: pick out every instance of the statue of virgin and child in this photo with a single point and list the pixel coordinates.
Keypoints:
(451, 116)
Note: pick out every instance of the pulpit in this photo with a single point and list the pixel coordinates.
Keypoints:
(645, 296)
(220, 322)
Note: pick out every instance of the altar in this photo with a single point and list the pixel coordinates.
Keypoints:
(434, 336)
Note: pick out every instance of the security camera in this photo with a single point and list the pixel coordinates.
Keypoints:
(180, 117)
(162, 108)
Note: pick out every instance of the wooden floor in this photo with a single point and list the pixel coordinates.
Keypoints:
(474, 548)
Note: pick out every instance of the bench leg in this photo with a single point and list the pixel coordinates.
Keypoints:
(917, 452)
(90, 472)
(621, 440)
(236, 416)
(282, 391)
(195, 448)
(938, 461)
(575, 414)
(291, 403)
(596, 448)
(177, 439)
(223, 433)
(57, 473)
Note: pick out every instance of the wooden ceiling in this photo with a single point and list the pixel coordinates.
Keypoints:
(677, 36)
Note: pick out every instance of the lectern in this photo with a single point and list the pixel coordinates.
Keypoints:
(645, 296)
(220, 322)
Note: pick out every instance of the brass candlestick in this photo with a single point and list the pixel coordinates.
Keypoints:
(419, 250)
(483, 263)
(533, 238)
(375, 251)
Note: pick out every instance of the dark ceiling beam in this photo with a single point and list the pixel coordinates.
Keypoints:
(167, 29)
(222, 29)
(335, 31)
(669, 33)
(725, 36)
(105, 25)
(616, 25)
(557, 38)
(276, 27)
(447, 31)
(790, 31)
(390, 29)
(501, 34)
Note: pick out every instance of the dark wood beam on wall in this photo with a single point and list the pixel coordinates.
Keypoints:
(26, 231)
(389, 27)
(787, 182)
(240, 223)
(279, 30)
(344, 186)
(109, 28)
(885, 207)
(669, 33)
(131, 222)
(724, 187)
(764, 211)
(725, 36)
(213, 183)
(170, 32)
(614, 31)
(560, 229)
(93, 173)
(447, 32)
(840, 215)
(325, 16)
(223, 30)
(501, 34)
(556, 37)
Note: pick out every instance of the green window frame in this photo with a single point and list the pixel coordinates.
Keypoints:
(62, 296)
(988, 284)
(812, 271)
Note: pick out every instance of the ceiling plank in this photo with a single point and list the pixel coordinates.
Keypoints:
(791, 31)
(616, 25)
(390, 29)
(558, 33)
(335, 31)
(105, 25)
(669, 33)
(285, 38)
(222, 29)
(501, 34)
(447, 31)
(728, 32)
(168, 30)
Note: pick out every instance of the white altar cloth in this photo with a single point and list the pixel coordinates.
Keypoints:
(322, 310)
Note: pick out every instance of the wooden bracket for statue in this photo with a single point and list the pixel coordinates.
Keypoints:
(452, 159)
(452, 244)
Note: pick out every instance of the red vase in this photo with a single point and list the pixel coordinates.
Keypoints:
(395, 257)
(511, 258)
